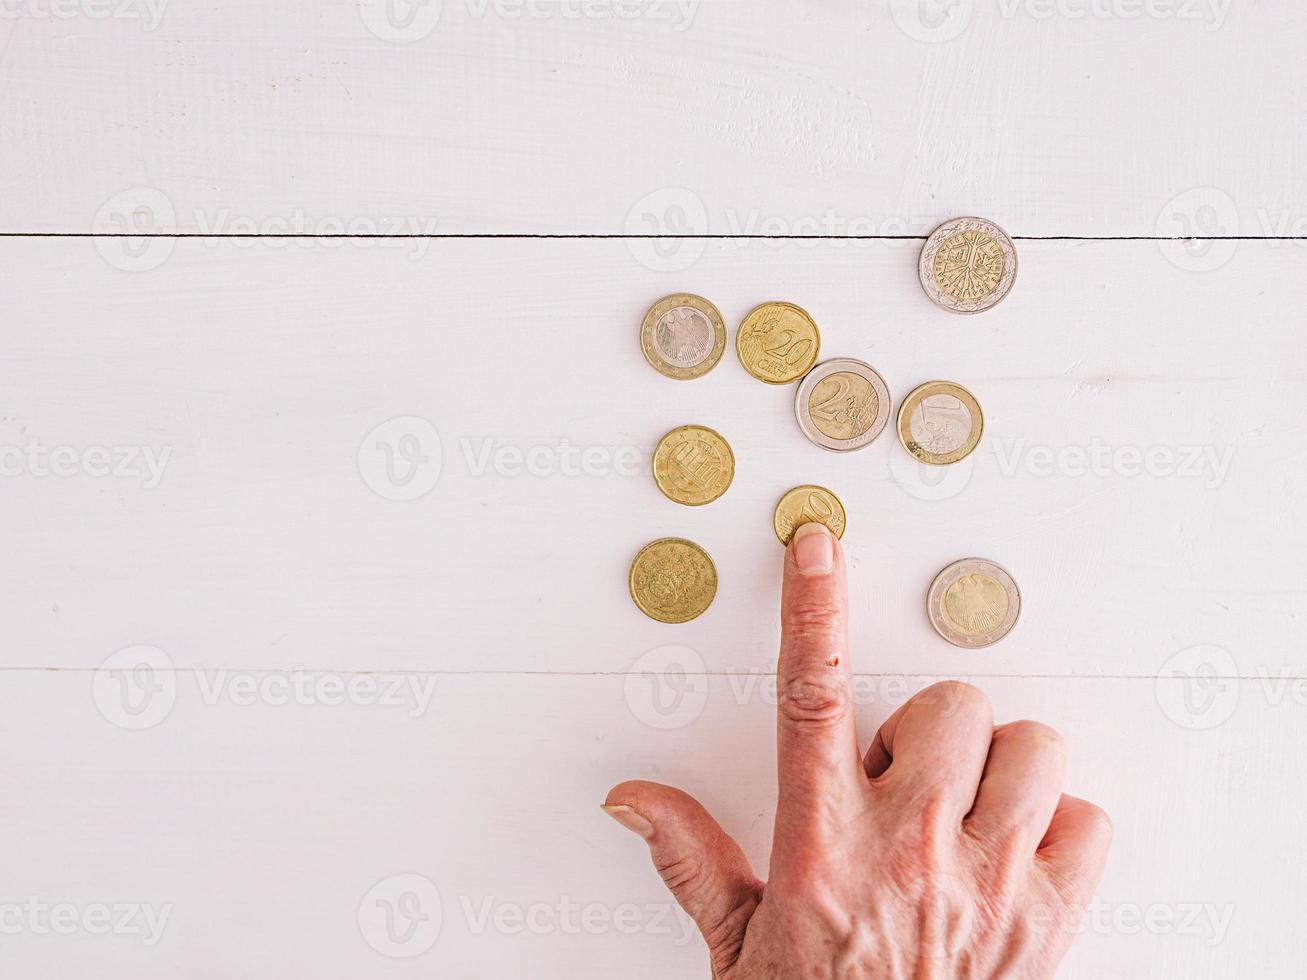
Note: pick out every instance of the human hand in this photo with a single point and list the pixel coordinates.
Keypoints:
(949, 850)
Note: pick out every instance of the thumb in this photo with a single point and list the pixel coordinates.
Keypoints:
(707, 873)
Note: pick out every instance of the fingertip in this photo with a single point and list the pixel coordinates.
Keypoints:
(813, 549)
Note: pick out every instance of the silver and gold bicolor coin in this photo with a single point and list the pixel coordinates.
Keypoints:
(683, 336)
(842, 404)
(968, 265)
(940, 422)
(973, 603)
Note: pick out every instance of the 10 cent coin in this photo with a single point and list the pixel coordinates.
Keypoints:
(940, 422)
(973, 603)
(778, 343)
(842, 405)
(673, 580)
(683, 336)
(805, 505)
(693, 465)
(968, 265)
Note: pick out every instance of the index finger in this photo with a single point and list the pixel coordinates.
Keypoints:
(820, 770)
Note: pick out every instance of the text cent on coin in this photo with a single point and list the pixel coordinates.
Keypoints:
(842, 404)
(940, 422)
(973, 603)
(778, 343)
(683, 336)
(806, 505)
(968, 265)
(673, 580)
(693, 465)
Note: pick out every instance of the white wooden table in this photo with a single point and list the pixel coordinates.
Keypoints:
(365, 706)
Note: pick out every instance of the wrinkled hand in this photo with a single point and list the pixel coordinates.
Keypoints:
(948, 851)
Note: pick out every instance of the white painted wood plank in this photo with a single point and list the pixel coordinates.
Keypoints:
(261, 369)
(1054, 118)
(261, 828)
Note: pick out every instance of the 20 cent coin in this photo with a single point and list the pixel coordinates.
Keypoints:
(683, 336)
(805, 505)
(778, 343)
(968, 265)
(940, 422)
(673, 580)
(693, 465)
(973, 603)
(842, 405)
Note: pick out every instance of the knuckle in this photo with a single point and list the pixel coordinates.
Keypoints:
(1097, 821)
(814, 698)
(958, 697)
(1036, 735)
(814, 615)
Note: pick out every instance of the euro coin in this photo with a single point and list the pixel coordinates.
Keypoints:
(968, 265)
(778, 343)
(693, 465)
(940, 422)
(973, 603)
(842, 404)
(683, 336)
(806, 505)
(673, 580)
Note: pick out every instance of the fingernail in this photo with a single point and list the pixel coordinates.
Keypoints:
(814, 549)
(631, 820)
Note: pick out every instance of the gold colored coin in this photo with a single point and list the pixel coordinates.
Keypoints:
(968, 265)
(693, 465)
(683, 336)
(778, 343)
(804, 505)
(672, 580)
(973, 603)
(940, 422)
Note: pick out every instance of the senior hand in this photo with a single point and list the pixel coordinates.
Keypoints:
(949, 850)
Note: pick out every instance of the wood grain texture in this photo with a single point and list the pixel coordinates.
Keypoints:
(262, 828)
(1053, 117)
(262, 368)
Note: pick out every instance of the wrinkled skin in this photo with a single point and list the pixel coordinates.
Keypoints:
(948, 851)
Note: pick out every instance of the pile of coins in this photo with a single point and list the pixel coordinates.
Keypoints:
(968, 265)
